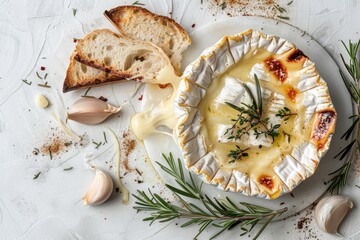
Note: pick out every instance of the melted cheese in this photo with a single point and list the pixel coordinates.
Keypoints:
(261, 160)
(162, 114)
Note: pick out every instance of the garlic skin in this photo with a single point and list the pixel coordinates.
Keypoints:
(330, 211)
(90, 110)
(100, 189)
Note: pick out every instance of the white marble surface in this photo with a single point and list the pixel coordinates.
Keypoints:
(39, 33)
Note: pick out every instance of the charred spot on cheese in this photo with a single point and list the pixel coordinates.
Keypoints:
(296, 56)
(291, 93)
(162, 86)
(277, 68)
(266, 181)
(324, 126)
(221, 80)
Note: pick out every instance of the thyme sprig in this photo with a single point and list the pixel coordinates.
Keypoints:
(250, 117)
(223, 214)
(285, 113)
(352, 84)
(237, 154)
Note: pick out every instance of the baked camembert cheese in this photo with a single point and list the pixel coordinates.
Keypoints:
(254, 115)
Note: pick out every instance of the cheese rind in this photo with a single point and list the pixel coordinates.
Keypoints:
(302, 88)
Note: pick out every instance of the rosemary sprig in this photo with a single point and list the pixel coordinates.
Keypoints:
(223, 214)
(250, 117)
(340, 176)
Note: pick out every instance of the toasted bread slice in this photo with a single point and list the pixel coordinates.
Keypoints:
(121, 56)
(79, 76)
(139, 23)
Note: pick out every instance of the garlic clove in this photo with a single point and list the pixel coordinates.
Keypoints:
(330, 211)
(100, 189)
(89, 110)
(41, 101)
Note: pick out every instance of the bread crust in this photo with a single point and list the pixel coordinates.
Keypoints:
(95, 81)
(74, 80)
(115, 17)
(110, 13)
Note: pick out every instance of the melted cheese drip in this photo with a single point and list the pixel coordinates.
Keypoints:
(148, 121)
(260, 161)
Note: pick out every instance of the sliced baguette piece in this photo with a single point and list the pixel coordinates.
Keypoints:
(79, 76)
(139, 23)
(121, 56)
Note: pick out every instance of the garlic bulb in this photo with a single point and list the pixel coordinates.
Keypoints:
(330, 211)
(100, 189)
(89, 110)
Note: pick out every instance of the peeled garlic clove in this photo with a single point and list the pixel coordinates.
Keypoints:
(100, 189)
(91, 111)
(330, 211)
(41, 101)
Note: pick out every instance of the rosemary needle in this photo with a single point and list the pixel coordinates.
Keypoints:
(283, 17)
(249, 118)
(44, 85)
(36, 175)
(223, 214)
(26, 81)
(340, 176)
(138, 3)
(38, 75)
(105, 140)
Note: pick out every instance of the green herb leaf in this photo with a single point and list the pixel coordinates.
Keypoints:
(36, 175)
(223, 214)
(50, 153)
(85, 94)
(26, 82)
(44, 85)
(68, 169)
(38, 75)
(283, 17)
(138, 3)
(259, 94)
(97, 144)
(105, 140)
